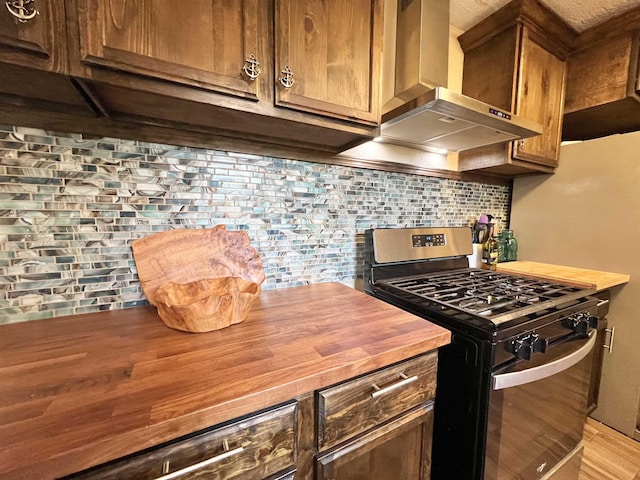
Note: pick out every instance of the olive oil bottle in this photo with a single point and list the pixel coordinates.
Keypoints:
(490, 250)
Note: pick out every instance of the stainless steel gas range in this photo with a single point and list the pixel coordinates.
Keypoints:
(512, 386)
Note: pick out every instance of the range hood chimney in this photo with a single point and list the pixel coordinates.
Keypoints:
(442, 120)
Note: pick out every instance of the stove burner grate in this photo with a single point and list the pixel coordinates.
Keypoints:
(496, 296)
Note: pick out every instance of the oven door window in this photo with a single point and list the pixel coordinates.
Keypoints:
(537, 411)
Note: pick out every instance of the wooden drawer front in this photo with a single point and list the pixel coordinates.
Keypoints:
(358, 405)
(256, 447)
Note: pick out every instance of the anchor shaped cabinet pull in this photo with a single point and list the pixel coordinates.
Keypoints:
(287, 80)
(251, 67)
(23, 10)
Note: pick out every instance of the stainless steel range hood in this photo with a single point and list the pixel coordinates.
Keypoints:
(444, 120)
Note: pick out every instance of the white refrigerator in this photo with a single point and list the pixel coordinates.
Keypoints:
(587, 215)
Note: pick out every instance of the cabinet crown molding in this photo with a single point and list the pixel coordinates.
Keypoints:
(529, 13)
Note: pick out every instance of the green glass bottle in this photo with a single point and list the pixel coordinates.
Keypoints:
(511, 246)
(502, 246)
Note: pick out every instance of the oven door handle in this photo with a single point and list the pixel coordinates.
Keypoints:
(513, 379)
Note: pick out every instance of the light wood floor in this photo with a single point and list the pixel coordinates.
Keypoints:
(608, 454)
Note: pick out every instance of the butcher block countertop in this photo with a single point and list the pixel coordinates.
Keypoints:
(580, 277)
(81, 390)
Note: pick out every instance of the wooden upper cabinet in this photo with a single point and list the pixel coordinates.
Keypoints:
(328, 57)
(201, 43)
(603, 80)
(188, 66)
(34, 62)
(32, 37)
(516, 59)
(540, 97)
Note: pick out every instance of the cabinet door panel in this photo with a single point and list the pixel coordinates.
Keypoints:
(399, 450)
(37, 43)
(540, 97)
(332, 48)
(202, 44)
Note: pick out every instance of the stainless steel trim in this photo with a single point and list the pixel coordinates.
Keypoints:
(611, 331)
(513, 379)
(204, 463)
(602, 303)
(405, 381)
(395, 244)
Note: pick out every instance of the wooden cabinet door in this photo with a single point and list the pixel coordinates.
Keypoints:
(332, 49)
(201, 43)
(399, 450)
(38, 42)
(540, 97)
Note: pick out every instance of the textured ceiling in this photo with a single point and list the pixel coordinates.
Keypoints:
(580, 14)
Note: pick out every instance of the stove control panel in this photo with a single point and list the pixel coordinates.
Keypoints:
(430, 240)
(391, 245)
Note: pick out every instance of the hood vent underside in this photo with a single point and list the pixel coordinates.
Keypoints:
(444, 120)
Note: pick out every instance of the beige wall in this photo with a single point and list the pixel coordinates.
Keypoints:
(587, 215)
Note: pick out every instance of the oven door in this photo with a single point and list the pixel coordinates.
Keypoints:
(537, 411)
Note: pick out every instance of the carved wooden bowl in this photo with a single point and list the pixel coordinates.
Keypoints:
(199, 279)
(205, 305)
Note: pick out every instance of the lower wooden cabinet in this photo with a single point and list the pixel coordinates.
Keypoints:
(379, 425)
(397, 450)
(355, 406)
(376, 426)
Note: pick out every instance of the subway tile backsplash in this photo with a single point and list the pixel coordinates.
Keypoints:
(71, 206)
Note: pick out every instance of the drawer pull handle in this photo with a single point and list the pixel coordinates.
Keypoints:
(611, 331)
(226, 454)
(405, 381)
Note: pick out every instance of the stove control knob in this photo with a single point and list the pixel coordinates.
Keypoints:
(583, 322)
(525, 346)
(538, 344)
(522, 349)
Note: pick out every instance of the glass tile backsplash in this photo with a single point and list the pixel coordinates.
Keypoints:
(70, 207)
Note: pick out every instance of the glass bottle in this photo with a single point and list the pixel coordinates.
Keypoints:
(490, 250)
(511, 246)
(502, 246)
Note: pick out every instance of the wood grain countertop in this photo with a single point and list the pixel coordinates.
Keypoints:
(81, 390)
(580, 277)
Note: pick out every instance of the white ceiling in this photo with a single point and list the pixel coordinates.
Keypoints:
(580, 14)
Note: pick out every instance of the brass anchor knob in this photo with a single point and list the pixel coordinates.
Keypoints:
(251, 67)
(23, 10)
(287, 80)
